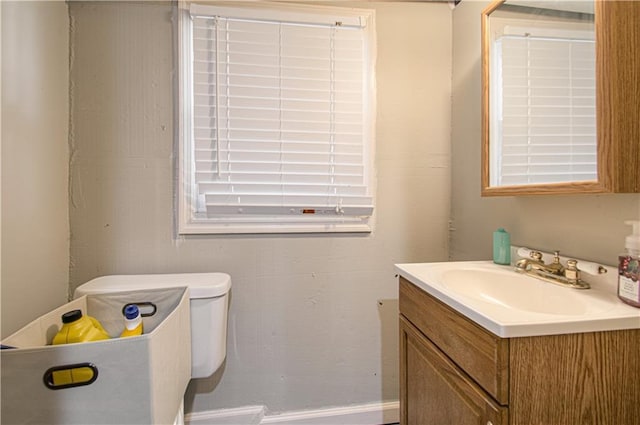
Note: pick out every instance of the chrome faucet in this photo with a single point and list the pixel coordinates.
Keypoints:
(553, 272)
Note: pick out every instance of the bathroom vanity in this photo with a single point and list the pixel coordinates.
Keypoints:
(469, 359)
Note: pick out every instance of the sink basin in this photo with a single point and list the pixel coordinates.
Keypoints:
(510, 304)
(516, 292)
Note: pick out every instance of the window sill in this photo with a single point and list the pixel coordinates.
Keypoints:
(271, 226)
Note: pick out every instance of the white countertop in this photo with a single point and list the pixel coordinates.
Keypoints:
(561, 310)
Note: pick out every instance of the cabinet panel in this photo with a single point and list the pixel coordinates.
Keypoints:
(589, 378)
(483, 355)
(618, 94)
(435, 391)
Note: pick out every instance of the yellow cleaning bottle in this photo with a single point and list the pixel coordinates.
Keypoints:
(132, 321)
(77, 328)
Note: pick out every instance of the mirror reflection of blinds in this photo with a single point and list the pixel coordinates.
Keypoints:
(547, 111)
(278, 118)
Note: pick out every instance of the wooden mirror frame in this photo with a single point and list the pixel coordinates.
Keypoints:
(617, 33)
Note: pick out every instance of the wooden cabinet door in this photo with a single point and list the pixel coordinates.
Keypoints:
(434, 391)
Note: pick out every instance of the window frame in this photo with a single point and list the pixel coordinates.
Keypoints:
(188, 222)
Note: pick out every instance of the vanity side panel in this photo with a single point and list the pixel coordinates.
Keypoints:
(618, 94)
(590, 378)
(481, 354)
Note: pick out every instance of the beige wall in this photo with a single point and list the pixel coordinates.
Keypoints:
(35, 158)
(313, 320)
(585, 226)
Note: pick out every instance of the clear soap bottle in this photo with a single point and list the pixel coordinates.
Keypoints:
(629, 268)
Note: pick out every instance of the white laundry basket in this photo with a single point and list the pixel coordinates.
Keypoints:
(136, 380)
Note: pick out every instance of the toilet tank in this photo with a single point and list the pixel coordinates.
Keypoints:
(209, 305)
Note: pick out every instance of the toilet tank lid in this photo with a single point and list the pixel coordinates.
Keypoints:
(201, 285)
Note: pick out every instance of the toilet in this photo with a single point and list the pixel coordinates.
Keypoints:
(209, 305)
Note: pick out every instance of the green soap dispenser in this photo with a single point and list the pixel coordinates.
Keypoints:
(501, 247)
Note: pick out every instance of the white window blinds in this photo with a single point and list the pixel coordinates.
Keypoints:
(280, 118)
(546, 104)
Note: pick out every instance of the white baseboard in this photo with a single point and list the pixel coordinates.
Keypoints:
(364, 414)
(248, 415)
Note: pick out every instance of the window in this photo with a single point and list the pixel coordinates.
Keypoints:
(276, 130)
(543, 94)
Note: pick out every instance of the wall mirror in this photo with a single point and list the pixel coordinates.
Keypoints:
(545, 103)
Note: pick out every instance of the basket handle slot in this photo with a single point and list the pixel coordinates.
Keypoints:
(146, 308)
(70, 376)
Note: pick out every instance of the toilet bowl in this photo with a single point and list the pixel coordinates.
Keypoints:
(209, 305)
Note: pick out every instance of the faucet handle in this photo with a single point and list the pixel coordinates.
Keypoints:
(536, 256)
(572, 272)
